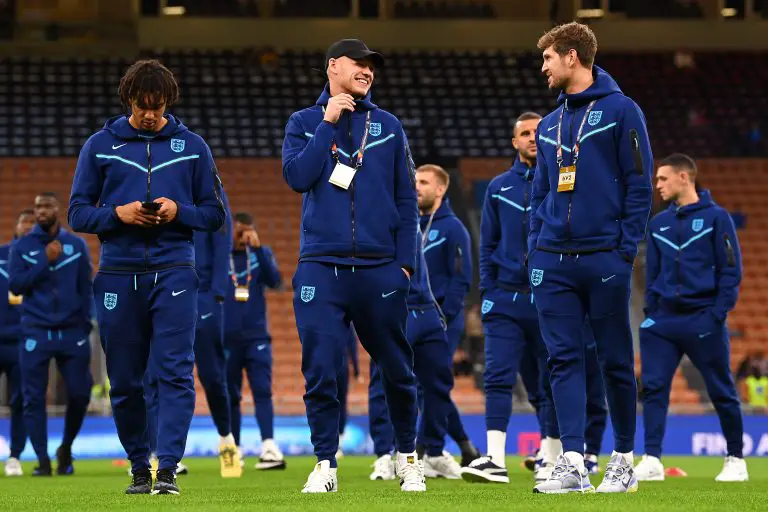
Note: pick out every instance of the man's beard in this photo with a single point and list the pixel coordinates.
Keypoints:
(426, 205)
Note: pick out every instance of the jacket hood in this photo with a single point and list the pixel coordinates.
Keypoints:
(360, 104)
(603, 86)
(39, 232)
(121, 128)
(444, 211)
(523, 170)
(705, 201)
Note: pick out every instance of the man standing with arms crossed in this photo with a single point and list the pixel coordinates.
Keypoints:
(692, 282)
(351, 162)
(145, 183)
(10, 335)
(589, 209)
(448, 254)
(51, 268)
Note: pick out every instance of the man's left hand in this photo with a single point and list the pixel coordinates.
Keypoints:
(168, 209)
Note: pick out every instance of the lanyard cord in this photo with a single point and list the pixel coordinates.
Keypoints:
(578, 134)
(248, 275)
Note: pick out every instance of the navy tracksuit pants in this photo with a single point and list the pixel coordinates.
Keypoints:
(326, 299)
(254, 355)
(512, 345)
(569, 288)
(434, 373)
(72, 352)
(9, 365)
(664, 338)
(454, 332)
(143, 316)
(211, 360)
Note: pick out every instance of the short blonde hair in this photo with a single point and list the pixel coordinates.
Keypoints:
(571, 36)
(442, 175)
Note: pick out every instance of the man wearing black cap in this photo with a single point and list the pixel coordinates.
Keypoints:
(351, 162)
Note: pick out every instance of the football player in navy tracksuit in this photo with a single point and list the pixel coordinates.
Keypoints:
(10, 334)
(252, 269)
(144, 183)
(693, 267)
(513, 341)
(350, 359)
(51, 268)
(448, 254)
(590, 204)
(426, 332)
(351, 162)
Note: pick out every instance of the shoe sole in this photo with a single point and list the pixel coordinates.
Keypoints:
(374, 479)
(165, 491)
(476, 476)
(266, 466)
(744, 479)
(148, 491)
(629, 490)
(303, 491)
(589, 490)
(651, 479)
(424, 489)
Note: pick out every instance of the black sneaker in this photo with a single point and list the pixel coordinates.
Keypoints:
(141, 483)
(43, 468)
(468, 453)
(484, 470)
(64, 461)
(165, 483)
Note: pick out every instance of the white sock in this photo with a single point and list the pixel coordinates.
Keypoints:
(576, 459)
(551, 448)
(629, 457)
(228, 439)
(497, 447)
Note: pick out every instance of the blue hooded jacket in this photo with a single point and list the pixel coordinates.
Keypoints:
(212, 250)
(372, 222)
(10, 315)
(420, 293)
(693, 259)
(504, 230)
(58, 294)
(611, 202)
(448, 254)
(113, 170)
(250, 318)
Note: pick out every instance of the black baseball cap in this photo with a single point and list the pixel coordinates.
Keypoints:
(354, 49)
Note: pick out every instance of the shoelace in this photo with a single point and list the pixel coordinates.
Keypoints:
(480, 461)
(229, 457)
(562, 467)
(315, 478)
(410, 472)
(614, 471)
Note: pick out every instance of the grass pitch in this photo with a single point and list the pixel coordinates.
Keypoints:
(98, 485)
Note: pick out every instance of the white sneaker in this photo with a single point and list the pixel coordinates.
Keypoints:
(240, 454)
(321, 479)
(734, 470)
(181, 469)
(565, 478)
(339, 453)
(13, 467)
(443, 466)
(411, 472)
(271, 456)
(619, 475)
(650, 469)
(383, 468)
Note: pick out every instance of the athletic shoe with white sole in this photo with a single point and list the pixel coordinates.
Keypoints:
(650, 469)
(442, 466)
(411, 472)
(321, 479)
(13, 467)
(271, 456)
(565, 478)
(484, 470)
(165, 482)
(734, 470)
(591, 464)
(181, 469)
(229, 461)
(544, 472)
(383, 468)
(141, 483)
(619, 475)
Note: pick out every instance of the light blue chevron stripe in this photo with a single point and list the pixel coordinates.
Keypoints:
(666, 241)
(67, 261)
(589, 134)
(511, 203)
(142, 168)
(553, 142)
(376, 143)
(174, 161)
(685, 244)
(3, 273)
(31, 260)
(694, 238)
(434, 244)
(309, 134)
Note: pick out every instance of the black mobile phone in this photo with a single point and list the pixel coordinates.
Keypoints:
(150, 206)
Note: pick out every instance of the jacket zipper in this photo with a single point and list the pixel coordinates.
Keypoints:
(526, 189)
(570, 194)
(677, 257)
(352, 187)
(149, 181)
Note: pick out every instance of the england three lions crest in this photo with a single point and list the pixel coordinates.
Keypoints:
(307, 293)
(177, 145)
(594, 117)
(110, 300)
(375, 129)
(537, 276)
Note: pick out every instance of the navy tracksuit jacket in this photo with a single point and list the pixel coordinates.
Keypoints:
(55, 323)
(692, 281)
(246, 337)
(146, 291)
(433, 365)
(354, 245)
(582, 244)
(513, 341)
(10, 333)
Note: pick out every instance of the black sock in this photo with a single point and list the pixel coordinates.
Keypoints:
(420, 449)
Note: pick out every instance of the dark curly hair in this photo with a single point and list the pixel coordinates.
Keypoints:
(148, 81)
